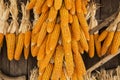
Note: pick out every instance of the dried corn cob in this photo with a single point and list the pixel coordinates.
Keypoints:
(31, 4)
(35, 51)
(19, 47)
(72, 10)
(74, 76)
(41, 53)
(80, 67)
(69, 64)
(78, 6)
(57, 4)
(27, 39)
(50, 26)
(48, 71)
(38, 6)
(44, 7)
(63, 76)
(84, 24)
(75, 47)
(91, 46)
(64, 16)
(52, 14)
(81, 50)
(34, 39)
(68, 4)
(103, 35)
(26, 52)
(47, 44)
(1, 39)
(46, 60)
(39, 23)
(10, 40)
(42, 34)
(107, 43)
(116, 41)
(76, 29)
(70, 18)
(54, 37)
(83, 41)
(84, 8)
(58, 63)
(50, 3)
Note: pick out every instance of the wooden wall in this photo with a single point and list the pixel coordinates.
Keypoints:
(23, 67)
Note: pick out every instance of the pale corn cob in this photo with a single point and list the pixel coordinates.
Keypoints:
(58, 63)
(42, 34)
(19, 47)
(52, 14)
(10, 40)
(47, 72)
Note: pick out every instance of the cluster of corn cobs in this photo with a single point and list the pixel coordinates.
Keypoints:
(59, 37)
(60, 34)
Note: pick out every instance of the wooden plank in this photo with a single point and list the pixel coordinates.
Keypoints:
(102, 61)
(108, 8)
(4, 60)
(18, 68)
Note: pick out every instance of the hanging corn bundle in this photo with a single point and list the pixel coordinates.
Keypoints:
(24, 35)
(12, 30)
(60, 23)
(4, 15)
(108, 35)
